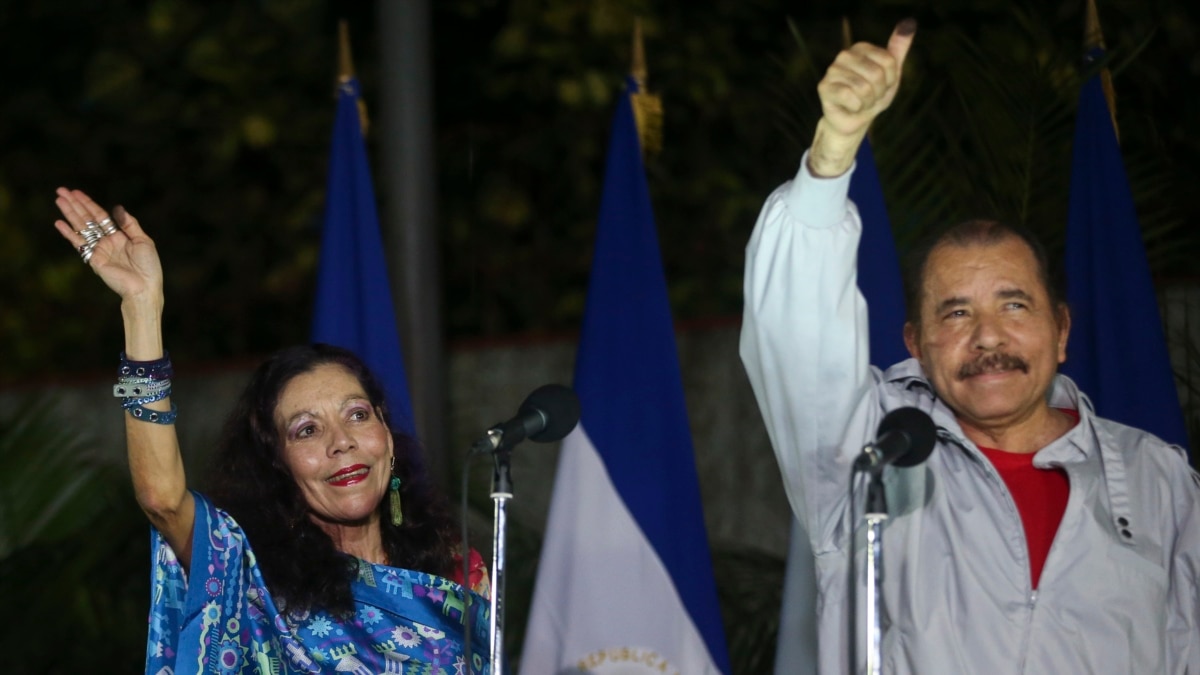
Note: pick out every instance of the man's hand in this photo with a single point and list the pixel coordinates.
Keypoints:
(861, 83)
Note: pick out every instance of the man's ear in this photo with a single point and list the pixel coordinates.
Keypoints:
(1064, 330)
(911, 341)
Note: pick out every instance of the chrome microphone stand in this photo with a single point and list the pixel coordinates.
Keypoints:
(502, 491)
(875, 516)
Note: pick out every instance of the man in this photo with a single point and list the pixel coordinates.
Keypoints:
(1037, 538)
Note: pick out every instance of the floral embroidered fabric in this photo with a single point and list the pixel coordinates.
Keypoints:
(225, 620)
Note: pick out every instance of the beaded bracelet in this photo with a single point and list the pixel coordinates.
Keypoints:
(134, 402)
(134, 387)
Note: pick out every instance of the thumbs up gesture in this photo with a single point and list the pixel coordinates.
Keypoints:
(861, 83)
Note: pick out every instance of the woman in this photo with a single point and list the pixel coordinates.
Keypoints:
(328, 544)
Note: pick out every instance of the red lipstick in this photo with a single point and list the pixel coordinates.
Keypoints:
(351, 475)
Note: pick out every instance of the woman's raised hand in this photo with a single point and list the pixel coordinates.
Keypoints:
(125, 258)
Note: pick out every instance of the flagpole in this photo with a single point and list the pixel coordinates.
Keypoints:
(1093, 38)
(409, 213)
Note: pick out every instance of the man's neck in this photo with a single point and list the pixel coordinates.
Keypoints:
(1024, 436)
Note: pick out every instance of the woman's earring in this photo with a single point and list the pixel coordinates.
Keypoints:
(394, 497)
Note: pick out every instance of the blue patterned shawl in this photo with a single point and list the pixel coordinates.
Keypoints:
(225, 620)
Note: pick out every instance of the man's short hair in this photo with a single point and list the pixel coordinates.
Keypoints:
(976, 232)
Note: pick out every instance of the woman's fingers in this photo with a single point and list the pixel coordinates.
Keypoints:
(86, 226)
(69, 233)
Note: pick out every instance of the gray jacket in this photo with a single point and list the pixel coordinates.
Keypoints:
(1119, 590)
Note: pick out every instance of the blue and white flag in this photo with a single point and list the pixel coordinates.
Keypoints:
(879, 283)
(1117, 351)
(354, 300)
(625, 583)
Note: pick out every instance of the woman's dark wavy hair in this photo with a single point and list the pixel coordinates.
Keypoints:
(250, 481)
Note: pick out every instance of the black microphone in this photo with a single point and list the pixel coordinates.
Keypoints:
(548, 414)
(906, 437)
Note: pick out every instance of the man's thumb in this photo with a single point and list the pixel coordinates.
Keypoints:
(901, 40)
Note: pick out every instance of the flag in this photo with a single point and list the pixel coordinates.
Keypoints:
(354, 300)
(625, 582)
(1117, 351)
(879, 283)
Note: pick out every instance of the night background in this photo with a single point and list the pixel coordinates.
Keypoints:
(211, 123)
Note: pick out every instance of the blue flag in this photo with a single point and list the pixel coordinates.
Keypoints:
(878, 265)
(626, 573)
(354, 300)
(880, 284)
(1117, 351)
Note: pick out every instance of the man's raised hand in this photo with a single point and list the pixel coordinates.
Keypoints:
(861, 83)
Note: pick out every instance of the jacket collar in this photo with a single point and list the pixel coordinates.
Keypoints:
(1074, 446)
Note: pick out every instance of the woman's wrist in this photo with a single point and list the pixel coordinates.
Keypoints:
(143, 327)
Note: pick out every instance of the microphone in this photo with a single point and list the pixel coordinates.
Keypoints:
(548, 414)
(906, 438)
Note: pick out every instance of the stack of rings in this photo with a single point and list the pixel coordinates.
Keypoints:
(92, 233)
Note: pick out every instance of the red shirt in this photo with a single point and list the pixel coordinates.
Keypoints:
(1041, 498)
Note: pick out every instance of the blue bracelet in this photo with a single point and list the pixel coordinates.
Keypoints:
(158, 369)
(155, 416)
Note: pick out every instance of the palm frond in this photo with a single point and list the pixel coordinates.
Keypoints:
(73, 549)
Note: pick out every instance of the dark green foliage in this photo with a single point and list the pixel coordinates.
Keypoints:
(750, 586)
(74, 553)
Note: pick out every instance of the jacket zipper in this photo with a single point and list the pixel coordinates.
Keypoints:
(1031, 592)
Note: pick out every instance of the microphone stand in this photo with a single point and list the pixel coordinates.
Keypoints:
(875, 515)
(502, 491)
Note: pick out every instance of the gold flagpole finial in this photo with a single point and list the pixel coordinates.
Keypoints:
(647, 108)
(1092, 35)
(1093, 38)
(346, 71)
(638, 70)
(345, 59)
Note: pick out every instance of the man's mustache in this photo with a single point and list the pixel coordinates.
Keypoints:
(993, 362)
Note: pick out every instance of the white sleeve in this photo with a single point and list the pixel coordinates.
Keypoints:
(804, 339)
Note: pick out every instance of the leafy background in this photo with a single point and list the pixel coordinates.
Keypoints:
(211, 122)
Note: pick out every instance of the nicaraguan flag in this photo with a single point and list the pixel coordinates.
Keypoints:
(626, 580)
(1117, 351)
(879, 283)
(878, 265)
(354, 300)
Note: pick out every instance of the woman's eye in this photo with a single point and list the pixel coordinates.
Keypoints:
(306, 431)
(359, 414)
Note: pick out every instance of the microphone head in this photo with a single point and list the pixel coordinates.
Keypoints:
(558, 406)
(921, 432)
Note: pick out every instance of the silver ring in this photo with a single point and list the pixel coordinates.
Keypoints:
(86, 255)
(106, 221)
(90, 224)
(109, 228)
(91, 233)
